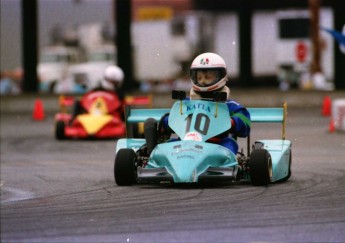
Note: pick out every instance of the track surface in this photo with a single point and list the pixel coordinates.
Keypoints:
(55, 191)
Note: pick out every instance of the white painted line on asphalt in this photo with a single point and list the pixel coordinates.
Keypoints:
(15, 194)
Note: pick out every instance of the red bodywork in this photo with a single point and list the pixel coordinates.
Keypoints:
(103, 113)
(103, 107)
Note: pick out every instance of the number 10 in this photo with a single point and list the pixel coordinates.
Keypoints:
(201, 125)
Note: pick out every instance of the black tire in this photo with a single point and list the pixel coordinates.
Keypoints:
(60, 130)
(124, 168)
(260, 167)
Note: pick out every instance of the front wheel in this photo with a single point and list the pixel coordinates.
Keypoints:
(124, 169)
(60, 130)
(260, 167)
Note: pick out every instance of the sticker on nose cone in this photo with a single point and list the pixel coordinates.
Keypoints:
(193, 136)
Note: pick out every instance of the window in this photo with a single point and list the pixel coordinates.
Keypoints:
(293, 28)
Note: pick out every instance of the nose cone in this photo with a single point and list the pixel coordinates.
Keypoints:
(184, 170)
(186, 160)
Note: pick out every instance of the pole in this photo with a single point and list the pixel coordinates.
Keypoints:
(123, 41)
(339, 57)
(245, 45)
(314, 8)
(29, 45)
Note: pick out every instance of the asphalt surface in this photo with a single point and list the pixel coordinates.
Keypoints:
(64, 191)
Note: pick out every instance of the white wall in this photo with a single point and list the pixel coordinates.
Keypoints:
(153, 52)
(150, 39)
(265, 42)
(264, 39)
(226, 41)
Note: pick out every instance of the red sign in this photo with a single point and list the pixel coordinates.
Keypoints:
(301, 51)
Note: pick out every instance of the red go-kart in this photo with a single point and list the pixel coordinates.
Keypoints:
(101, 117)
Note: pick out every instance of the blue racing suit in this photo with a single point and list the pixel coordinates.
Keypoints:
(240, 126)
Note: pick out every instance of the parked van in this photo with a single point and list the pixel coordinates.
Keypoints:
(54, 63)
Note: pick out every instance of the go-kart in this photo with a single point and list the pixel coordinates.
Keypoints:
(190, 158)
(101, 117)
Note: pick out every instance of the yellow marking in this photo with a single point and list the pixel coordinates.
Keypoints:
(99, 107)
(93, 123)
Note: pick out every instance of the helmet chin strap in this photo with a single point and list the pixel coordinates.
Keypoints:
(197, 95)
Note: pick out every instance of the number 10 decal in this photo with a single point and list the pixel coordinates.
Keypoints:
(201, 125)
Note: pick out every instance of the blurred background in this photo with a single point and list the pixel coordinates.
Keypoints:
(63, 46)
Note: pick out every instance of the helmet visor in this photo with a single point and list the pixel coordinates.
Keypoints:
(205, 77)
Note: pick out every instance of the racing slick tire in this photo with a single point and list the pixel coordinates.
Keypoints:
(124, 168)
(260, 167)
(60, 130)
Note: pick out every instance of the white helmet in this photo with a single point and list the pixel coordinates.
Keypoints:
(113, 77)
(208, 72)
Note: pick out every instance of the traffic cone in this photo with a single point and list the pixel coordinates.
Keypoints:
(331, 128)
(38, 112)
(326, 106)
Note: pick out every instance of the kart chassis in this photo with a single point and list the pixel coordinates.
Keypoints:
(275, 154)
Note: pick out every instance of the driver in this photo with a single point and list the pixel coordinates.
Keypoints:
(208, 74)
(112, 81)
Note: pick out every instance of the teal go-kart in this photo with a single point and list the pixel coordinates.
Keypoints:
(189, 158)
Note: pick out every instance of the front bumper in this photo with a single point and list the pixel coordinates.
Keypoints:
(156, 175)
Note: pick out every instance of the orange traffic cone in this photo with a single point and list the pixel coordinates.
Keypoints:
(331, 126)
(326, 106)
(38, 112)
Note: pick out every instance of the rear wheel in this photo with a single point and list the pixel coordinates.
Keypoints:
(260, 167)
(124, 168)
(60, 130)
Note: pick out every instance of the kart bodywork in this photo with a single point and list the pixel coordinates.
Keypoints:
(190, 158)
(102, 119)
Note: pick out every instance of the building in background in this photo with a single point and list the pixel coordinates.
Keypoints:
(166, 36)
